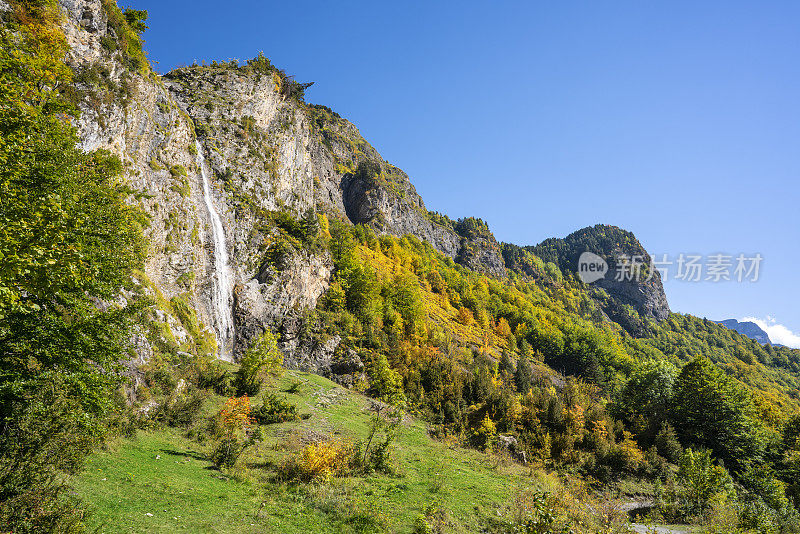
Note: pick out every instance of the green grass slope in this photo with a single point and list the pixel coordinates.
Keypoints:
(165, 474)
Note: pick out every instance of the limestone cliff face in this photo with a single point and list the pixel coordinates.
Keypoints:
(263, 152)
(277, 153)
(138, 118)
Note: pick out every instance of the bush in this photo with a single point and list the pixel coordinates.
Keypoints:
(234, 433)
(275, 410)
(49, 439)
(532, 513)
(181, 409)
(569, 507)
(213, 376)
(225, 453)
(485, 434)
(376, 452)
(128, 26)
(318, 461)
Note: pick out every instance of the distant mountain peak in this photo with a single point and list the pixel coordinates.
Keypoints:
(747, 328)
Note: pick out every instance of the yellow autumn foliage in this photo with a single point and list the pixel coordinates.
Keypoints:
(318, 461)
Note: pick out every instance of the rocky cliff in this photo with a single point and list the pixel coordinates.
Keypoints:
(619, 291)
(265, 151)
(266, 154)
(747, 328)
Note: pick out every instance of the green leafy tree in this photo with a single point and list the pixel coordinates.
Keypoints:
(506, 365)
(523, 376)
(667, 443)
(704, 483)
(261, 359)
(648, 395)
(710, 410)
(136, 19)
(790, 462)
(68, 242)
(386, 384)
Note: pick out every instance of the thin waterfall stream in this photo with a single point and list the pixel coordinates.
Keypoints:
(222, 296)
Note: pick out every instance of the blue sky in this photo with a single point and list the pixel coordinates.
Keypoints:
(679, 121)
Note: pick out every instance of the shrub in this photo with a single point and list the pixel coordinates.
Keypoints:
(485, 434)
(318, 461)
(288, 87)
(181, 409)
(260, 64)
(376, 452)
(212, 375)
(46, 441)
(234, 433)
(128, 26)
(177, 170)
(626, 454)
(275, 410)
(569, 507)
(421, 525)
(532, 513)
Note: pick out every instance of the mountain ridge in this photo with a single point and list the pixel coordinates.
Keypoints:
(267, 151)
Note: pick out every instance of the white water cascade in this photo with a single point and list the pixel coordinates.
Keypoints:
(222, 297)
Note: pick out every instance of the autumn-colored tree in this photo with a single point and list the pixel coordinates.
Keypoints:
(464, 316)
(502, 329)
(234, 431)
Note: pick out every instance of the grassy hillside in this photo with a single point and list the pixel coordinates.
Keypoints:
(163, 473)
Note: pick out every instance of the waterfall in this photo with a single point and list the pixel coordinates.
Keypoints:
(222, 296)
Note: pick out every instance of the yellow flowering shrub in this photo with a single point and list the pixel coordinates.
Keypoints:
(318, 461)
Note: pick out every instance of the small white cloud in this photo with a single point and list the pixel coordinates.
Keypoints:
(777, 332)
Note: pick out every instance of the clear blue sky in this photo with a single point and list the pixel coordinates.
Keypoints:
(679, 121)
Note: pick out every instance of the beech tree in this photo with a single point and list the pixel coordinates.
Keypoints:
(710, 410)
(68, 241)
